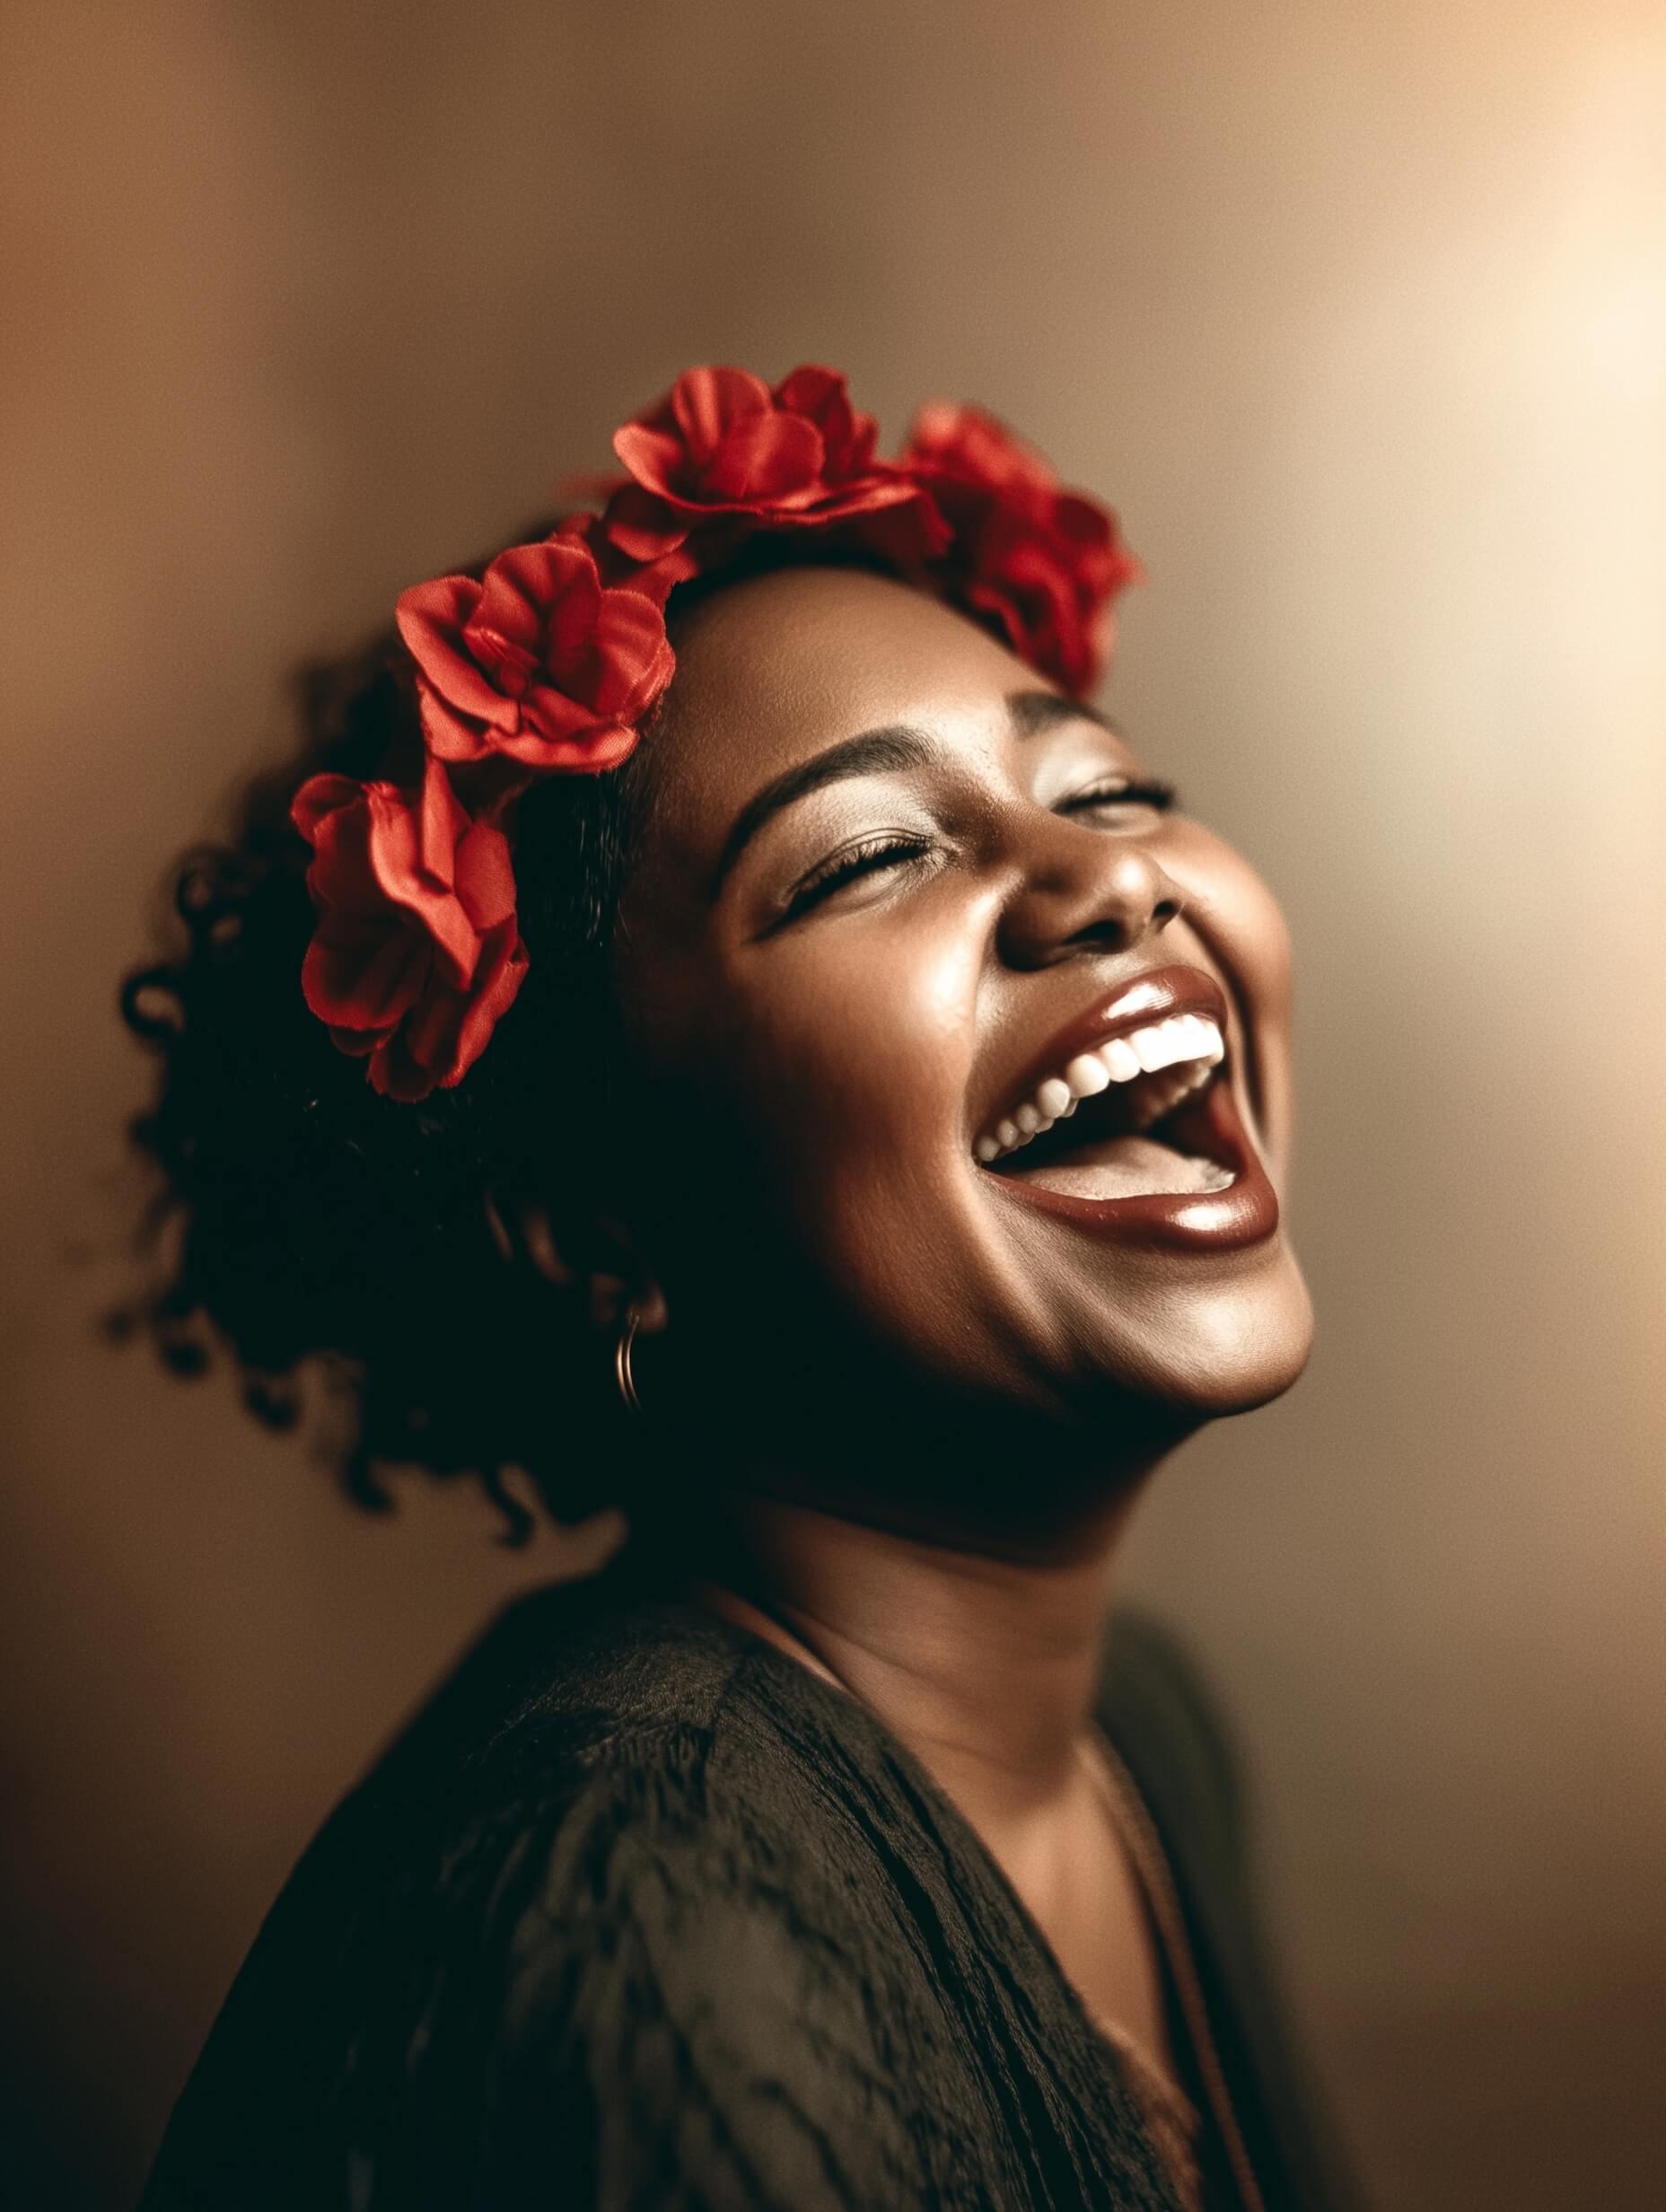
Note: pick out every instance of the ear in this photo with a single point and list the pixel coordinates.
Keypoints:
(609, 1295)
(608, 1268)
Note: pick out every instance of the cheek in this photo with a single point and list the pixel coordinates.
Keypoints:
(860, 1038)
(831, 1064)
(825, 1139)
(1237, 920)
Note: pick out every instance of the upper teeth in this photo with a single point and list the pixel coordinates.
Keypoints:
(1189, 1037)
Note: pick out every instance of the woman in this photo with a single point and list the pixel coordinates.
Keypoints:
(842, 1129)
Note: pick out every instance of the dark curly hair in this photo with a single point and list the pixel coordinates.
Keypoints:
(310, 1225)
(319, 1230)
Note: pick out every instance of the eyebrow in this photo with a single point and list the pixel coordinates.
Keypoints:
(1036, 712)
(880, 752)
(876, 752)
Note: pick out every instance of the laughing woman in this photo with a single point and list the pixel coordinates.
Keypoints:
(718, 1023)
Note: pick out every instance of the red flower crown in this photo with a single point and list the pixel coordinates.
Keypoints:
(551, 663)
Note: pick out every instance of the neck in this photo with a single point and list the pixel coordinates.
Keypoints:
(982, 1659)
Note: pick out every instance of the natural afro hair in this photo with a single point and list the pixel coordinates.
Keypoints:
(309, 1223)
(306, 1221)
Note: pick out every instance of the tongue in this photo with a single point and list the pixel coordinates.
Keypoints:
(1121, 1167)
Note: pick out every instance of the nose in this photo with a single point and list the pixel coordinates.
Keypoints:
(1084, 891)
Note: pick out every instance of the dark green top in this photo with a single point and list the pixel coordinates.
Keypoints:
(640, 1915)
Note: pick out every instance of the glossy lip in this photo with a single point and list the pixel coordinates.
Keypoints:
(1245, 1213)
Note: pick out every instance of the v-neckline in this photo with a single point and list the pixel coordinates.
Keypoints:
(1105, 2049)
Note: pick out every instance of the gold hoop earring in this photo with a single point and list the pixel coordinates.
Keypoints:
(622, 1374)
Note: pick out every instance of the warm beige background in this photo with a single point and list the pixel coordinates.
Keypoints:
(1358, 311)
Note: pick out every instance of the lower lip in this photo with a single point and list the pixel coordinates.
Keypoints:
(1189, 1221)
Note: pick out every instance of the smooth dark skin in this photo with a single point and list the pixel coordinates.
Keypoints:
(934, 1406)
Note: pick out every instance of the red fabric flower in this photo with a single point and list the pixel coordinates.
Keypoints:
(539, 661)
(416, 953)
(723, 454)
(552, 660)
(654, 579)
(1043, 563)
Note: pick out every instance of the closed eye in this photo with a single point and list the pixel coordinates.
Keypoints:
(1119, 791)
(870, 856)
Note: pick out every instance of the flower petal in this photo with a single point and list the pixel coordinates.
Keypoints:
(443, 820)
(319, 798)
(643, 525)
(600, 746)
(768, 461)
(366, 986)
(706, 404)
(431, 618)
(555, 579)
(848, 438)
(396, 1074)
(502, 970)
(449, 735)
(486, 881)
(654, 458)
(410, 852)
(634, 657)
(358, 1043)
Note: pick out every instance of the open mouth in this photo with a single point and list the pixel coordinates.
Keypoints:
(1128, 1123)
(1126, 1120)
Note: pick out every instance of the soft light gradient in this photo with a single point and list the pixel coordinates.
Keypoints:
(1360, 314)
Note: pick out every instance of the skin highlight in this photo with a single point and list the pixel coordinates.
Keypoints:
(937, 1405)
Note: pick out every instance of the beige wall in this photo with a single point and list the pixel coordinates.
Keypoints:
(1359, 312)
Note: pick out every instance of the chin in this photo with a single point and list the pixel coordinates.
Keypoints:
(1222, 1351)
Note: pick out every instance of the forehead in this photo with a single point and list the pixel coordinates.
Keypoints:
(775, 670)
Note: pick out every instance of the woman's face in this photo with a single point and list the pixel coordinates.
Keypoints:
(895, 901)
